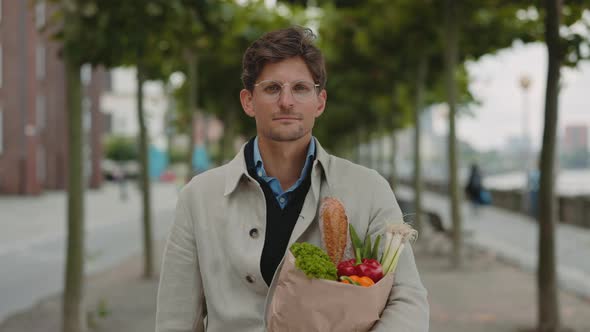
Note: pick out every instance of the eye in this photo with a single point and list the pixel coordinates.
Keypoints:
(272, 88)
(301, 88)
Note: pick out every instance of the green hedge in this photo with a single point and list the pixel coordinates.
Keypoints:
(119, 148)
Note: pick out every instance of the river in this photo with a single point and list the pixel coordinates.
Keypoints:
(569, 182)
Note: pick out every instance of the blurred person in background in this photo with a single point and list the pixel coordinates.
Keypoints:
(475, 191)
(234, 223)
(120, 177)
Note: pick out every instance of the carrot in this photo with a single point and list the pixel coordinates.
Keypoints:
(358, 281)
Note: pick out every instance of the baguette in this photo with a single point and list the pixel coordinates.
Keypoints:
(334, 222)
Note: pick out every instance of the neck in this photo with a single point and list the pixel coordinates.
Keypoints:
(284, 160)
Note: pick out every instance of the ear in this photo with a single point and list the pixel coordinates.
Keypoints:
(322, 98)
(246, 100)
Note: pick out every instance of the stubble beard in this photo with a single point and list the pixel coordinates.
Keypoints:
(282, 135)
(287, 133)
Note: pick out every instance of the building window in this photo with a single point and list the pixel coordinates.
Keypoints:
(41, 111)
(86, 74)
(40, 14)
(40, 61)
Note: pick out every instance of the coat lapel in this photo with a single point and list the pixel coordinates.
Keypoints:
(319, 189)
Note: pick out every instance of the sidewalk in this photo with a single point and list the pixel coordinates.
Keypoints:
(117, 300)
(514, 238)
(485, 296)
(32, 238)
(488, 295)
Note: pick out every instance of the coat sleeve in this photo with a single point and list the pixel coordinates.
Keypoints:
(407, 309)
(180, 293)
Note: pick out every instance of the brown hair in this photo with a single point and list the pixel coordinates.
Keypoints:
(279, 45)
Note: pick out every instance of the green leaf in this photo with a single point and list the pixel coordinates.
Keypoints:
(375, 251)
(367, 249)
(356, 241)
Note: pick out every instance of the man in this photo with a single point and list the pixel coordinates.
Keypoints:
(234, 223)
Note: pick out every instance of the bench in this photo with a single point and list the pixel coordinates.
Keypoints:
(437, 228)
(433, 218)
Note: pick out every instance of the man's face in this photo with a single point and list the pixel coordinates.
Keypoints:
(288, 114)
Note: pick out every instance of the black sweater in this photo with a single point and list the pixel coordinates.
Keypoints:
(279, 222)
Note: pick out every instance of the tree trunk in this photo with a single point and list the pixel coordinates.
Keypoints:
(373, 138)
(394, 125)
(359, 141)
(192, 105)
(393, 174)
(548, 303)
(382, 150)
(168, 118)
(73, 308)
(364, 153)
(229, 135)
(144, 180)
(451, 58)
(420, 83)
(205, 125)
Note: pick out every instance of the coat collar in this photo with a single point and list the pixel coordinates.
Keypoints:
(237, 170)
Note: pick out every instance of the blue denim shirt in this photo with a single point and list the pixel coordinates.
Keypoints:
(274, 184)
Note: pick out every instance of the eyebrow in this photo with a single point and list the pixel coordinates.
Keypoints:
(295, 80)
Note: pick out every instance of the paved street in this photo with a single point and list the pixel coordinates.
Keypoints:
(513, 237)
(32, 238)
(485, 296)
(32, 251)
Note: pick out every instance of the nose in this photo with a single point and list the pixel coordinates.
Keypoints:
(286, 99)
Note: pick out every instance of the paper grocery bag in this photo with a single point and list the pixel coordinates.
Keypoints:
(303, 304)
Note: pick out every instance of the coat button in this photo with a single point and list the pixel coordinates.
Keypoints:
(254, 233)
(250, 279)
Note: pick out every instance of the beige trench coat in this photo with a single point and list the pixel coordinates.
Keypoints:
(213, 255)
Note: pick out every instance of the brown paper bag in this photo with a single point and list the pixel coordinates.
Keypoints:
(303, 304)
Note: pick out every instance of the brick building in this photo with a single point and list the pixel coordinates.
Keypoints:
(33, 119)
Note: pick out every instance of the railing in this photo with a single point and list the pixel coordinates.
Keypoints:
(574, 210)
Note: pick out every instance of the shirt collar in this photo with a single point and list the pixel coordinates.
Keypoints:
(259, 164)
(237, 168)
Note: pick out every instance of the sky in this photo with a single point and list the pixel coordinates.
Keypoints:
(495, 83)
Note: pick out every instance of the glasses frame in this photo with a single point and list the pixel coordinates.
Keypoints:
(315, 85)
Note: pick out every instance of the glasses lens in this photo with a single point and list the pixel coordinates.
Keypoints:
(302, 91)
(270, 89)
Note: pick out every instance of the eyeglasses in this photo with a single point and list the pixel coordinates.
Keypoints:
(302, 91)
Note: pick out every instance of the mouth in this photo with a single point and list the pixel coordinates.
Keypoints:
(286, 118)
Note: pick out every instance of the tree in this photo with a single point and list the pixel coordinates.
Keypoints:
(549, 319)
(360, 83)
(75, 51)
(470, 31)
(169, 28)
(451, 58)
(235, 27)
(554, 22)
(420, 69)
(98, 33)
(190, 31)
(73, 310)
(116, 24)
